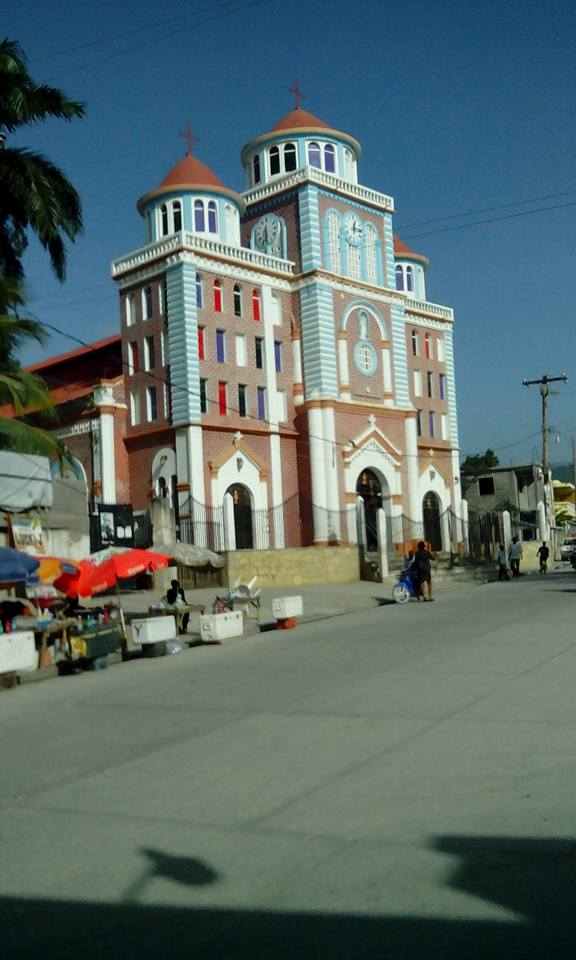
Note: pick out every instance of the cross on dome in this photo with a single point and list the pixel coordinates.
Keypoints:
(297, 94)
(189, 136)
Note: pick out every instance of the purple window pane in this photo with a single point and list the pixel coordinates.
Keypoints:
(399, 278)
(220, 346)
(431, 423)
(261, 397)
(212, 224)
(329, 161)
(442, 386)
(278, 356)
(199, 215)
(314, 155)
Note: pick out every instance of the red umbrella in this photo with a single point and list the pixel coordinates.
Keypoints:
(96, 575)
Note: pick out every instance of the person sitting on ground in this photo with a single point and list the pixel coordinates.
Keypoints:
(422, 560)
(543, 554)
(174, 598)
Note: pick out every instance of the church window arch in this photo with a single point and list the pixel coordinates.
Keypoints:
(147, 303)
(364, 321)
(164, 220)
(218, 298)
(334, 250)
(399, 277)
(130, 310)
(415, 343)
(256, 169)
(237, 300)
(212, 217)
(371, 242)
(329, 158)
(409, 278)
(199, 221)
(148, 226)
(289, 157)
(256, 304)
(274, 161)
(177, 215)
(314, 158)
(354, 264)
(199, 290)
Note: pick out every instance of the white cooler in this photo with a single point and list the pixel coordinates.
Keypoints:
(18, 652)
(285, 607)
(153, 630)
(219, 626)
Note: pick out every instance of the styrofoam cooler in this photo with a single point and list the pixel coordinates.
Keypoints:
(219, 626)
(153, 630)
(285, 607)
(18, 652)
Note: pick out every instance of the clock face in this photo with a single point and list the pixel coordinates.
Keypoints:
(267, 235)
(353, 229)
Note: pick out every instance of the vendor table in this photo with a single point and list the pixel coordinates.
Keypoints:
(178, 612)
(44, 631)
(96, 642)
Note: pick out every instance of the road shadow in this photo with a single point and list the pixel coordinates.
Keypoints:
(533, 879)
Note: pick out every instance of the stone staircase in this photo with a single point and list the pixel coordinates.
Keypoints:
(461, 570)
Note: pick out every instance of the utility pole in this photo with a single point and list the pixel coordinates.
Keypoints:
(545, 393)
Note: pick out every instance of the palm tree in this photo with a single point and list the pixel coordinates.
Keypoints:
(34, 193)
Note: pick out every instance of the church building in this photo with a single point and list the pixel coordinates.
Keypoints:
(284, 374)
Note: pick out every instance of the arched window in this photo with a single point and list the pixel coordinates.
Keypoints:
(334, 254)
(289, 157)
(177, 214)
(164, 219)
(147, 303)
(237, 300)
(427, 351)
(256, 304)
(314, 155)
(130, 310)
(354, 261)
(399, 277)
(409, 278)
(199, 290)
(274, 161)
(199, 216)
(371, 250)
(256, 169)
(218, 296)
(329, 158)
(148, 226)
(415, 343)
(212, 217)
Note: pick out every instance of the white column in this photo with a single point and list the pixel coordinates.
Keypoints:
(506, 527)
(277, 496)
(543, 529)
(411, 451)
(296, 362)
(387, 370)
(352, 524)
(343, 368)
(360, 522)
(317, 453)
(331, 472)
(270, 361)
(190, 479)
(229, 528)
(382, 541)
(107, 458)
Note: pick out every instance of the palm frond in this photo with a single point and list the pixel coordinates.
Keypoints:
(23, 438)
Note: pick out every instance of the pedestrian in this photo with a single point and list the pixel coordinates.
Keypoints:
(423, 575)
(543, 554)
(175, 598)
(502, 568)
(515, 556)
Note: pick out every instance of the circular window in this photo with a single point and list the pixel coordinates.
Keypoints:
(365, 358)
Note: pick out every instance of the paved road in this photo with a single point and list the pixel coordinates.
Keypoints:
(396, 783)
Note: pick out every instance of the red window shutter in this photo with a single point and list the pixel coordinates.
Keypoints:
(201, 343)
(217, 297)
(256, 305)
(222, 399)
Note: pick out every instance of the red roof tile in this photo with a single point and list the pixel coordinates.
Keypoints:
(401, 249)
(191, 171)
(299, 118)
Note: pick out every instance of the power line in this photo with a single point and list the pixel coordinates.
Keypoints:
(475, 223)
(501, 206)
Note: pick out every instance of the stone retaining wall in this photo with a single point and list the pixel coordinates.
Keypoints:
(293, 567)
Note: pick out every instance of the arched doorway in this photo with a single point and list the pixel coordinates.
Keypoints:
(368, 487)
(242, 505)
(431, 518)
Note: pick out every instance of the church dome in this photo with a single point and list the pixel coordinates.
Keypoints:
(300, 118)
(403, 252)
(189, 175)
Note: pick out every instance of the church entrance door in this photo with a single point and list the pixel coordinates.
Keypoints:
(242, 516)
(369, 488)
(431, 518)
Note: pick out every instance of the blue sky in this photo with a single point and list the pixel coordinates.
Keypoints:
(459, 108)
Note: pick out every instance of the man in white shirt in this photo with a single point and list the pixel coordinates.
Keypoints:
(515, 556)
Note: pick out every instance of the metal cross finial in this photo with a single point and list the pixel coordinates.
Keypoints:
(297, 94)
(188, 136)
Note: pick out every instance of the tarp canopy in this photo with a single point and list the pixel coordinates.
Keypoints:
(25, 482)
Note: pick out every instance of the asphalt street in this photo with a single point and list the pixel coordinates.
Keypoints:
(397, 782)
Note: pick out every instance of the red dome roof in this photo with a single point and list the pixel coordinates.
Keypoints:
(191, 172)
(299, 118)
(402, 250)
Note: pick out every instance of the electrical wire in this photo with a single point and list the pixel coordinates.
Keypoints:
(473, 213)
(476, 223)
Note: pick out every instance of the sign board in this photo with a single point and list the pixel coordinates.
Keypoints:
(112, 527)
(28, 535)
